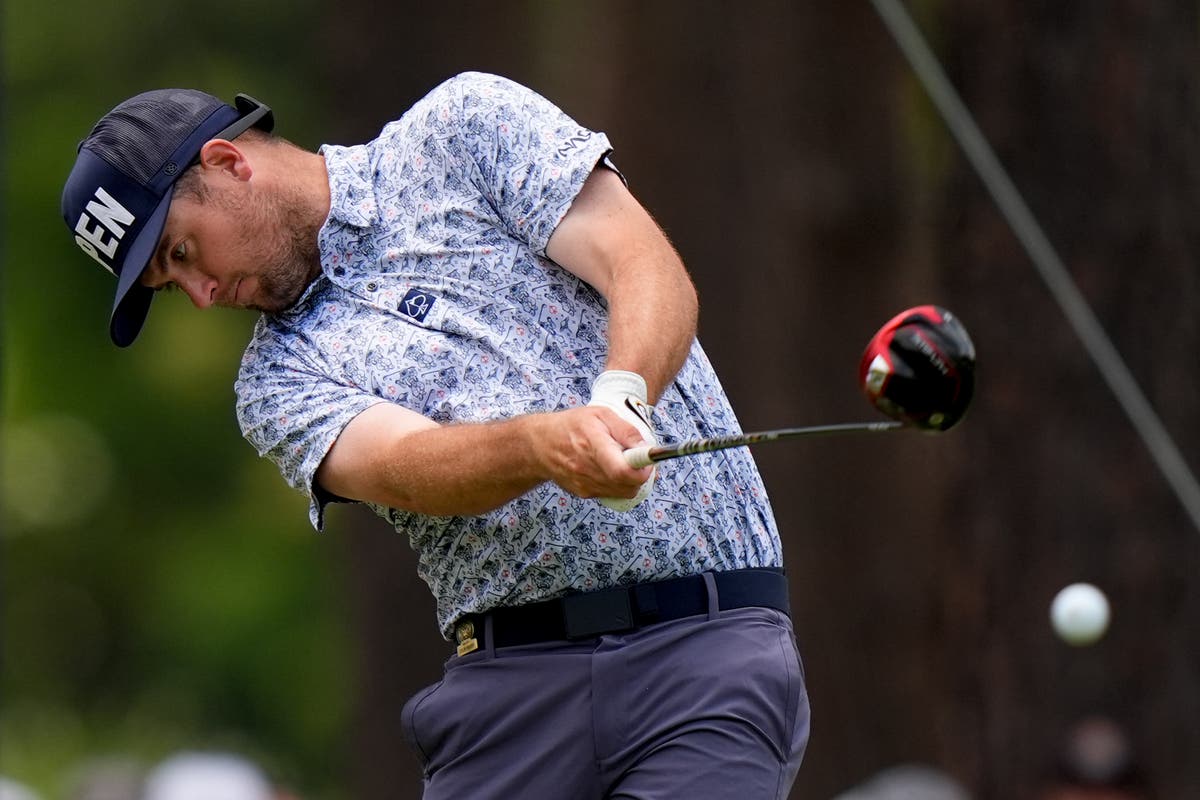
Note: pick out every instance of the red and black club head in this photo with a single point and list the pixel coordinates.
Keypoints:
(920, 368)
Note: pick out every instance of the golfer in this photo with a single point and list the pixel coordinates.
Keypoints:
(464, 322)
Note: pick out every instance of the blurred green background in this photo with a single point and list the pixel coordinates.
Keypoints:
(156, 596)
(162, 588)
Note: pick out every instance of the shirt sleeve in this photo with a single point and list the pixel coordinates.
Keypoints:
(524, 154)
(292, 414)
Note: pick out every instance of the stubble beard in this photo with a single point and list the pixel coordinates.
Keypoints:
(281, 239)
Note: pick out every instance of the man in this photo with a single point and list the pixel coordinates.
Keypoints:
(465, 323)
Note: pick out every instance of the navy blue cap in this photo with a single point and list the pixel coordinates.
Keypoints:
(117, 196)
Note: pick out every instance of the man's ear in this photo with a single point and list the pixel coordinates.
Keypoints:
(224, 156)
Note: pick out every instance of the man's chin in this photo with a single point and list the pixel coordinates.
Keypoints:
(279, 290)
(274, 305)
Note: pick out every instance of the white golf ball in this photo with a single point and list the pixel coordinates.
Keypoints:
(1079, 614)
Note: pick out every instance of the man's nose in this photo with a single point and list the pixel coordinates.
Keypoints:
(201, 289)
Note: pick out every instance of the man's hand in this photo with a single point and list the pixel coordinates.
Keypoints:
(395, 457)
(582, 451)
(625, 394)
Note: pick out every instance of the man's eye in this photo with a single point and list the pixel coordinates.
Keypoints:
(180, 252)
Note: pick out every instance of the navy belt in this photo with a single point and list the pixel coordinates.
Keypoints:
(586, 615)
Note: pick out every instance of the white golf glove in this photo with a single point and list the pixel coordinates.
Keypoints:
(625, 394)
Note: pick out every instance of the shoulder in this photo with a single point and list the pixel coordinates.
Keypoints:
(265, 349)
(470, 93)
(467, 84)
(454, 91)
(274, 348)
(440, 109)
(468, 104)
(449, 101)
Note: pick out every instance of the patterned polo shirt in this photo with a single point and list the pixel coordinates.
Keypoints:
(436, 294)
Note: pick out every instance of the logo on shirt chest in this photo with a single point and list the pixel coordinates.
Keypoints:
(416, 304)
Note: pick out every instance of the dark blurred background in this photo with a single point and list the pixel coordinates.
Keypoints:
(162, 588)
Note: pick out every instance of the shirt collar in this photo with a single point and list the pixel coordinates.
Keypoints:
(351, 191)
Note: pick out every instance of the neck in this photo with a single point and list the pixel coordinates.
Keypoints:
(312, 182)
(295, 173)
(299, 182)
(315, 185)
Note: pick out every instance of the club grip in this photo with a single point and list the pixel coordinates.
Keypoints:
(638, 457)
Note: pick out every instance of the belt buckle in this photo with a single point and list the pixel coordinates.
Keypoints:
(464, 636)
(590, 614)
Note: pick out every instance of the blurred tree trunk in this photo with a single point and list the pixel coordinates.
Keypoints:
(1094, 108)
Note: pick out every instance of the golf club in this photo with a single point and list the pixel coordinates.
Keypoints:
(918, 369)
(644, 456)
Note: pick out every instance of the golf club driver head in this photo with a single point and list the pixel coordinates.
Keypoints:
(919, 368)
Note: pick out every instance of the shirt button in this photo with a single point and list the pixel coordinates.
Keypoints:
(372, 286)
(339, 271)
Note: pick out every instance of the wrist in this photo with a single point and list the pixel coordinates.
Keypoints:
(615, 382)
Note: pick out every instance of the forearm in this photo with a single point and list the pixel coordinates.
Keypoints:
(609, 240)
(393, 457)
(459, 469)
(652, 318)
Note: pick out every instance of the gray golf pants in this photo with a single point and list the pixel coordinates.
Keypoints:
(701, 707)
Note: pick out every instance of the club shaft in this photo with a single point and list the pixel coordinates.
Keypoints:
(646, 455)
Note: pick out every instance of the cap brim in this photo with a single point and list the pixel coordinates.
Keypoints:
(132, 302)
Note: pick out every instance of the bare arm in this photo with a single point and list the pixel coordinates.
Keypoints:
(396, 457)
(610, 241)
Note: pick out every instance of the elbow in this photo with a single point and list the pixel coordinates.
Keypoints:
(687, 303)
